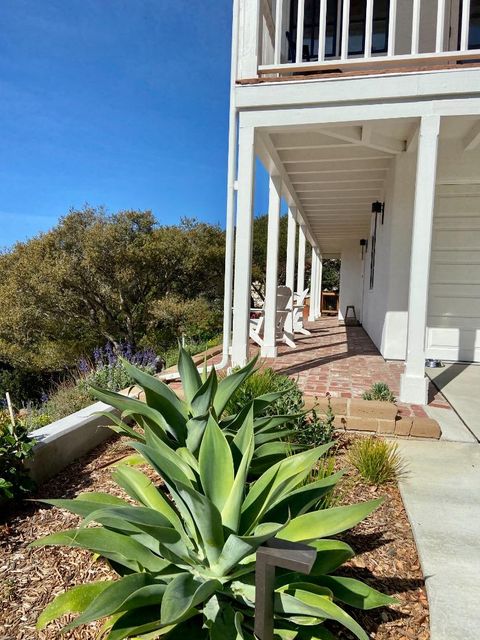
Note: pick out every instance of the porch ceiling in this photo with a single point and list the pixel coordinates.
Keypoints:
(335, 173)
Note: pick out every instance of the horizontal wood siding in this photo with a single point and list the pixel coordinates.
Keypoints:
(454, 306)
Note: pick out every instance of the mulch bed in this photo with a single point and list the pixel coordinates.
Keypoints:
(29, 578)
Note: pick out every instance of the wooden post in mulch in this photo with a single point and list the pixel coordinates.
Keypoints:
(10, 409)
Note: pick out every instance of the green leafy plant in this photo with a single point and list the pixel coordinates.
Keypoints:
(378, 461)
(183, 421)
(309, 428)
(185, 550)
(379, 391)
(15, 448)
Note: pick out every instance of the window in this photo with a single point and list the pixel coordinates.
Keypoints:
(474, 34)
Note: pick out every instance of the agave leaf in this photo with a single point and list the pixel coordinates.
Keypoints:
(166, 462)
(207, 519)
(243, 428)
(196, 427)
(354, 592)
(239, 547)
(136, 590)
(191, 380)
(139, 487)
(142, 518)
(216, 465)
(231, 512)
(189, 458)
(87, 503)
(276, 482)
(228, 386)
(74, 600)
(268, 423)
(120, 426)
(159, 395)
(183, 594)
(306, 600)
(327, 522)
(274, 436)
(262, 402)
(331, 554)
(300, 500)
(132, 406)
(115, 546)
(203, 399)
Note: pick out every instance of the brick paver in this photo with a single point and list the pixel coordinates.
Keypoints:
(344, 362)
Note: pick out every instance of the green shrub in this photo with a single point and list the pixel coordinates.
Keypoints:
(379, 391)
(15, 448)
(309, 428)
(67, 399)
(377, 460)
(185, 551)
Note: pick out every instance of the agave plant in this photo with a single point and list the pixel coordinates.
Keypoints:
(184, 548)
(181, 421)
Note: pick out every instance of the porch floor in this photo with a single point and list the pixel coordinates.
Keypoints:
(344, 362)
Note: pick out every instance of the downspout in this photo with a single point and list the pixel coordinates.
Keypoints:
(231, 188)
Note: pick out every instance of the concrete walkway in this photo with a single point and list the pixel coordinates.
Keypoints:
(441, 493)
(460, 384)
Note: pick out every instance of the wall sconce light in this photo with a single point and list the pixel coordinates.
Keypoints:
(379, 207)
(364, 245)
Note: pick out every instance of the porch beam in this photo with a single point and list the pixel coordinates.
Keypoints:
(323, 167)
(243, 245)
(380, 142)
(269, 347)
(414, 384)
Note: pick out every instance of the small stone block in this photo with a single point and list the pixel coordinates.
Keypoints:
(425, 428)
(361, 424)
(372, 409)
(386, 426)
(339, 405)
(403, 425)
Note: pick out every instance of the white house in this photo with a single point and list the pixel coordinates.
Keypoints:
(348, 103)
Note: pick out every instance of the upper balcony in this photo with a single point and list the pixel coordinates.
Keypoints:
(282, 39)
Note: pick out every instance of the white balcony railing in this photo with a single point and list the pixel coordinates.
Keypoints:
(283, 37)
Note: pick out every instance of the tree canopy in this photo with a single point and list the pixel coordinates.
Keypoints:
(92, 279)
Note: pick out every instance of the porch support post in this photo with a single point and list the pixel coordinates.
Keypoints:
(269, 348)
(290, 267)
(313, 286)
(318, 313)
(414, 384)
(302, 241)
(243, 246)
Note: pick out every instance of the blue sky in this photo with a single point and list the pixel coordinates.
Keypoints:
(122, 103)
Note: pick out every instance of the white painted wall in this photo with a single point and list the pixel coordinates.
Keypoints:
(454, 326)
(351, 279)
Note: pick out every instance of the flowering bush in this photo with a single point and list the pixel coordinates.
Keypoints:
(108, 371)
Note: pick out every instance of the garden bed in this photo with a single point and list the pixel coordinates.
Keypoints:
(30, 578)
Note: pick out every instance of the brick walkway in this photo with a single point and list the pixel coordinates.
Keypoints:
(344, 362)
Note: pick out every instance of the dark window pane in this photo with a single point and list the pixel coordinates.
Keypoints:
(474, 34)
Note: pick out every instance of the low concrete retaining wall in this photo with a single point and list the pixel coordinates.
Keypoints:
(61, 442)
(65, 440)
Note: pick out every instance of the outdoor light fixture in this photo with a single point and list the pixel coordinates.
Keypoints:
(363, 244)
(379, 207)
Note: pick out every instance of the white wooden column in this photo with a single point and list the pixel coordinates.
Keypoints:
(302, 242)
(414, 384)
(269, 348)
(243, 245)
(319, 288)
(313, 286)
(290, 267)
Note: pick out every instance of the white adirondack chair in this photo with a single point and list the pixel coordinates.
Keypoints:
(298, 307)
(284, 295)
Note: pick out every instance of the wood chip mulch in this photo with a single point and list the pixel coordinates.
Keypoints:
(30, 577)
